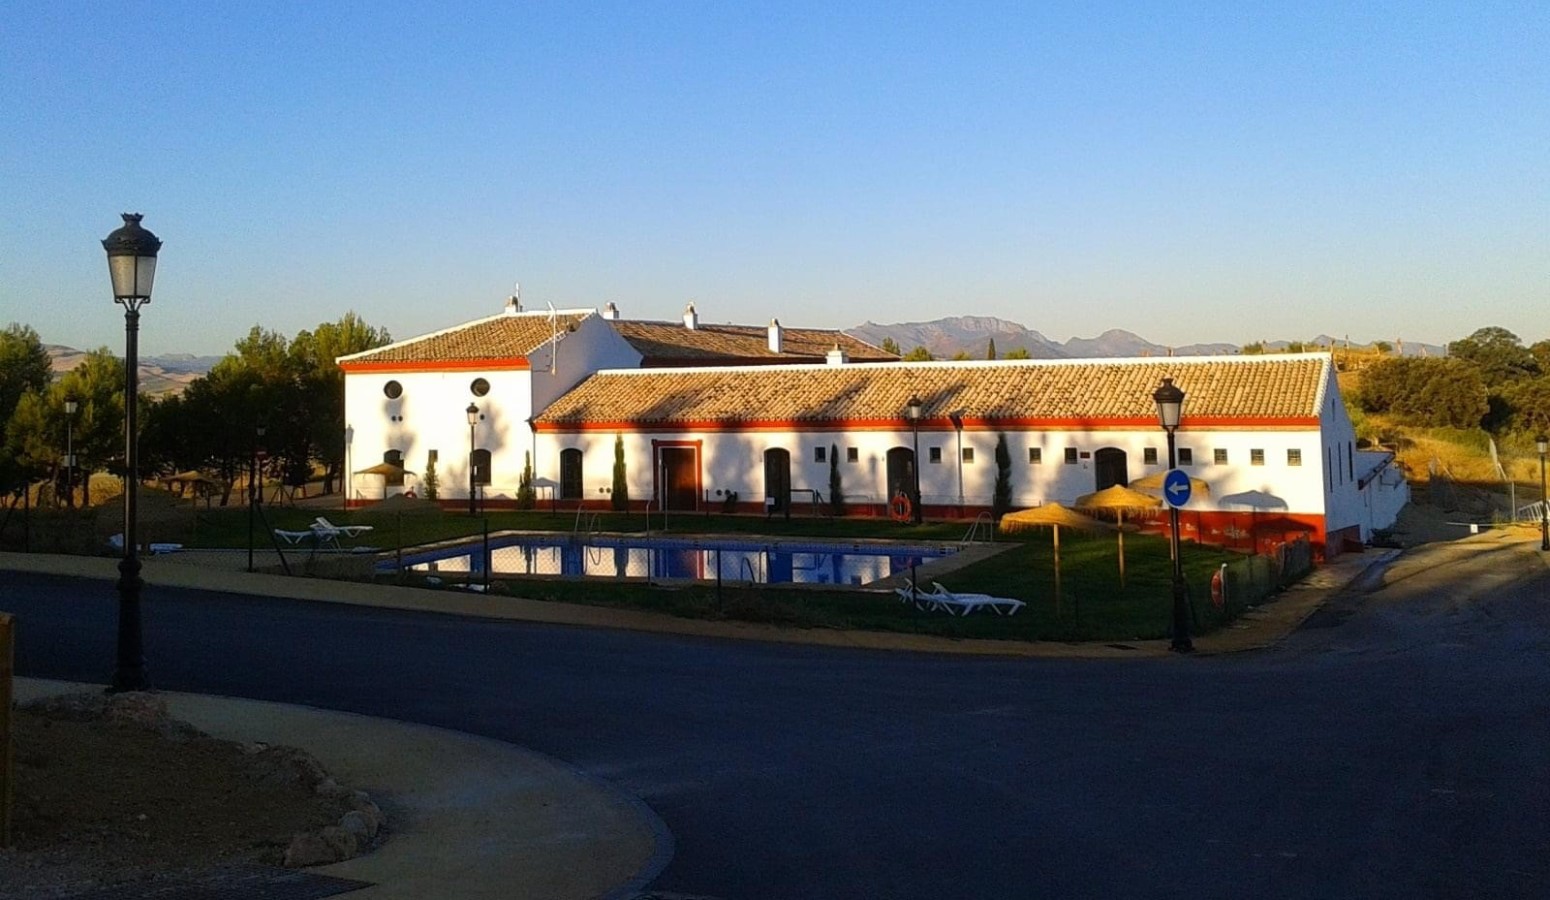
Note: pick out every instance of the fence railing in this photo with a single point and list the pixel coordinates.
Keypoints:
(1250, 580)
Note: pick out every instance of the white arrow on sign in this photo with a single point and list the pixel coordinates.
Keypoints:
(1176, 488)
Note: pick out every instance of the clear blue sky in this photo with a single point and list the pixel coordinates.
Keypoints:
(1204, 172)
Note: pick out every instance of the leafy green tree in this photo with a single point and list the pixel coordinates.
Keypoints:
(217, 421)
(960, 356)
(1541, 351)
(525, 493)
(836, 485)
(1383, 347)
(1001, 499)
(1424, 391)
(24, 366)
(919, 354)
(890, 346)
(620, 498)
(1296, 347)
(1498, 354)
(24, 369)
(1018, 353)
(313, 355)
(1530, 403)
(1254, 349)
(35, 435)
(990, 351)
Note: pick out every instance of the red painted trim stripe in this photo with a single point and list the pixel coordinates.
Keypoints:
(1215, 423)
(517, 363)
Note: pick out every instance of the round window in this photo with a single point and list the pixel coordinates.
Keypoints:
(480, 387)
(393, 390)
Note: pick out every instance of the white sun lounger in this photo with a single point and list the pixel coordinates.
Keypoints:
(294, 537)
(943, 600)
(1004, 606)
(322, 525)
(912, 594)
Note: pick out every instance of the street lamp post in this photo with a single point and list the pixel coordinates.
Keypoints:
(912, 411)
(255, 491)
(132, 265)
(1543, 443)
(473, 421)
(70, 407)
(1170, 407)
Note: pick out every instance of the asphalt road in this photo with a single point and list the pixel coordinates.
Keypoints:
(1397, 746)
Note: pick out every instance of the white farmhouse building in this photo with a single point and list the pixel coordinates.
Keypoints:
(752, 419)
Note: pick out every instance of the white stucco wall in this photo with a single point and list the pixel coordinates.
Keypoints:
(1344, 505)
(432, 409)
(433, 413)
(735, 462)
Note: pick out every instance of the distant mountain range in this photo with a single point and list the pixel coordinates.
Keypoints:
(170, 373)
(971, 335)
(167, 374)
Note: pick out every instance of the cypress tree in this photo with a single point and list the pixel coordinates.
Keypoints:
(621, 490)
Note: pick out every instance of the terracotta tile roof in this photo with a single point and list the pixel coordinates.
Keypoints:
(671, 343)
(1219, 390)
(502, 337)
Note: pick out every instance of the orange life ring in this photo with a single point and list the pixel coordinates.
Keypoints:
(1218, 590)
(899, 508)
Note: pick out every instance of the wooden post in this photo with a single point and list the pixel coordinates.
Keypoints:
(7, 771)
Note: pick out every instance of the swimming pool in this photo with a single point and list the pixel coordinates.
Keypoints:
(765, 562)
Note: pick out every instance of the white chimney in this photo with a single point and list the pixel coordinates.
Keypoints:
(691, 318)
(775, 336)
(837, 357)
(610, 311)
(514, 302)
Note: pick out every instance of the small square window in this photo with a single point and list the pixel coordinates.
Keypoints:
(820, 454)
(1186, 456)
(1256, 457)
(852, 454)
(934, 454)
(1294, 457)
(968, 454)
(1219, 457)
(1070, 456)
(1149, 456)
(1036, 456)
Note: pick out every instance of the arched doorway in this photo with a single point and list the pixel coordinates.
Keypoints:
(777, 480)
(1110, 467)
(570, 474)
(901, 472)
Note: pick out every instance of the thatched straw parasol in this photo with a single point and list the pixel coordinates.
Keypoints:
(388, 471)
(200, 484)
(1120, 499)
(1154, 482)
(1051, 515)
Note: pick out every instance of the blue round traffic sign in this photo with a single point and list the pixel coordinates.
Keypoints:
(1176, 487)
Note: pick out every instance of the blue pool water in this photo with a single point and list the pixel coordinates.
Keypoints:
(634, 557)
